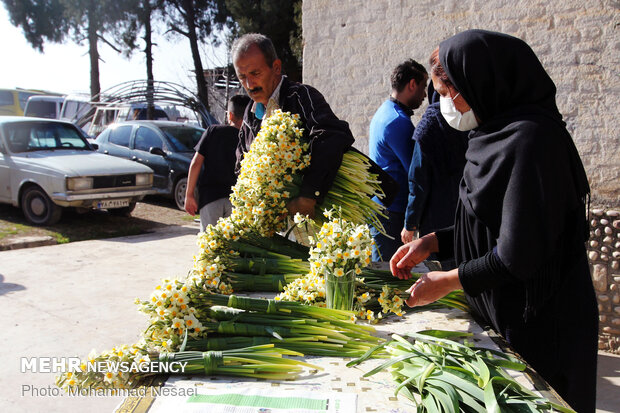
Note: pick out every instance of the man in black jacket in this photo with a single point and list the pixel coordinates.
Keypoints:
(259, 71)
(213, 167)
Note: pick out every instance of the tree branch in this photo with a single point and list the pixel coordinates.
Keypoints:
(177, 29)
(116, 49)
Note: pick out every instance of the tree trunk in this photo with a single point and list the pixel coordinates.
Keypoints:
(93, 52)
(201, 83)
(148, 50)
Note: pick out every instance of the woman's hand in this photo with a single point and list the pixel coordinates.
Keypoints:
(411, 254)
(432, 286)
(406, 236)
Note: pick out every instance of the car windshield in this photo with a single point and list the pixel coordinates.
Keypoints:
(39, 136)
(182, 138)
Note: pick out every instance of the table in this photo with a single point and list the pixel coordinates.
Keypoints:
(372, 394)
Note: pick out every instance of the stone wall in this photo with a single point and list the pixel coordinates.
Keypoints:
(351, 47)
(604, 254)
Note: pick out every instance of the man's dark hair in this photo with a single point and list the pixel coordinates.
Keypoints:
(237, 105)
(245, 42)
(404, 72)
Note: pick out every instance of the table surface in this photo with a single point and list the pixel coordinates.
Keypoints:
(374, 393)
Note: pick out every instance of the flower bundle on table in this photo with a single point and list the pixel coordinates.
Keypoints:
(340, 247)
(118, 368)
(172, 310)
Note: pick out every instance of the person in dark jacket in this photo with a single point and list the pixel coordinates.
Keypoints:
(259, 71)
(520, 226)
(213, 167)
(435, 172)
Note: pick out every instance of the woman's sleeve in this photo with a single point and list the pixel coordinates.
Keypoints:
(445, 241)
(483, 273)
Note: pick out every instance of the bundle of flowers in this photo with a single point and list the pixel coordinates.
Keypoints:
(171, 310)
(271, 175)
(124, 367)
(118, 368)
(341, 246)
(270, 172)
(376, 296)
(309, 330)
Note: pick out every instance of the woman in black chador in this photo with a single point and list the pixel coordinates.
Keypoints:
(520, 226)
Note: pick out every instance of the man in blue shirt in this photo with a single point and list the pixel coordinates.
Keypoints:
(391, 147)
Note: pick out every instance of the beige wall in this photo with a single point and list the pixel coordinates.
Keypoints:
(351, 46)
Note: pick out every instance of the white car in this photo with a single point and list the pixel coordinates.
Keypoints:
(46, 165)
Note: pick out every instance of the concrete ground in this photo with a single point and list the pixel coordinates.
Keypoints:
(64, 300)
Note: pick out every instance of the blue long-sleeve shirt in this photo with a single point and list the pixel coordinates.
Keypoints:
(391, 147)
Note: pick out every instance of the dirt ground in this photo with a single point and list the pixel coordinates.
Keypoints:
(149, 214)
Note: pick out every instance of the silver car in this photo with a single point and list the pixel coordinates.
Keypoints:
(46, 165)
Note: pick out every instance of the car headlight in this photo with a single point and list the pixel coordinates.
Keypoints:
(144, 179)
(79, 183)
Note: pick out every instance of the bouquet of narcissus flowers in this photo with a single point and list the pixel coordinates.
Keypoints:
(340, 247)
(172, 308)
(339, 252)
(118, 368)
(270, 174)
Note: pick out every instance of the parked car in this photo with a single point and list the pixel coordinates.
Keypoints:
(164, 146)
(44, 106)
(106, 114)
(13, 101)
(47, 165)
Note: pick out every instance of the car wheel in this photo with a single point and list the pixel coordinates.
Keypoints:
(179, 193)
(38, 208)
(124, 211)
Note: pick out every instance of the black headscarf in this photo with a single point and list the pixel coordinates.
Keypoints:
(431, 94)
(523, 177)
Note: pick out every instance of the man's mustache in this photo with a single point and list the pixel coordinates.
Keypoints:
(256, 89)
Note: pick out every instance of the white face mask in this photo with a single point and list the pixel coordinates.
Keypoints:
(460, 121)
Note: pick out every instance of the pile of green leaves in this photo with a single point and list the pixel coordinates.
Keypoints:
(233, 322)
(442, 375)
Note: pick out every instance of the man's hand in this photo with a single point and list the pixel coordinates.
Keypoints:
(432, 286)
(303, 205)
(191, 206)
(411, 254)
(406, 236)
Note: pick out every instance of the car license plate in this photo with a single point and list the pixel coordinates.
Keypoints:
(113, 203)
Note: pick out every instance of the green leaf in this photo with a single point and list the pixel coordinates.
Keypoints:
(388, 364)
(444, 333)
(430, 403)
(367, 355)
(449, 402)
(490, 400)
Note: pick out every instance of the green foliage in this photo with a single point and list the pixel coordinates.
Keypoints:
(90, 20)
(195, 20)
(280, 20)
(53, 20)
(40, 20)
(439, 374)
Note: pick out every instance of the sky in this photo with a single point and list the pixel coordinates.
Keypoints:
(65, 68)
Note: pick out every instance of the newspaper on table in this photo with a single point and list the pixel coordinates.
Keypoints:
(258, 401)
